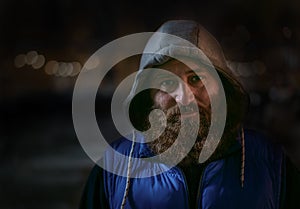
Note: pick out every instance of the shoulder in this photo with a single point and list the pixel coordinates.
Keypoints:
(124, 145)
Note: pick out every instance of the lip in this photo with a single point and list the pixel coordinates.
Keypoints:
(188, 111)
(189, 114)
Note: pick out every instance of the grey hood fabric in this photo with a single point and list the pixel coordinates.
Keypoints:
(192, 37)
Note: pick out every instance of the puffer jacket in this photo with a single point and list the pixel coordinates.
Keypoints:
(219, 186)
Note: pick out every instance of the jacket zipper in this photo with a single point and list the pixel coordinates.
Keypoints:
(199, 190)
(186, 186)
(187, 189)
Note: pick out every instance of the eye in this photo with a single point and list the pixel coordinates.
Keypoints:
(168, 85)
(195, 79)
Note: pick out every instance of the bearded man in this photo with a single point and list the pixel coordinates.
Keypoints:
(242, 170)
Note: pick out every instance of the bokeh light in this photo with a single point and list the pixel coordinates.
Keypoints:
(62, 70)
(20, 60)
(40, 61)
(76, 68)
(31, 57)
(69, 68)
(51, 67)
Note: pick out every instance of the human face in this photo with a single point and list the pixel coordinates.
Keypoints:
(187, 91)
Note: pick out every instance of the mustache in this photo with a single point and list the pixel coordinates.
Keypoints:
(182, 109)
(173, 114)
(178, 109)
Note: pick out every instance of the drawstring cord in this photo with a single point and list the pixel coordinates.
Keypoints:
(128, 171)
(243, 159)
(242, 177)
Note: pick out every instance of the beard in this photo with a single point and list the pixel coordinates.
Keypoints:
(188, 129)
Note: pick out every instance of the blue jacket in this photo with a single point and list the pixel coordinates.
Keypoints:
(219, 186)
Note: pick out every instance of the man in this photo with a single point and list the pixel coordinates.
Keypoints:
(242, 170)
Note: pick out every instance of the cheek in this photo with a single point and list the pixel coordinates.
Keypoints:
(163, 100)
(202, 95)
(214, 90)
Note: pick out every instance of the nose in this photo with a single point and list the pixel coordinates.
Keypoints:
(183, 94)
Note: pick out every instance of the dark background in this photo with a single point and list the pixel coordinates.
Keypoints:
(42, 162)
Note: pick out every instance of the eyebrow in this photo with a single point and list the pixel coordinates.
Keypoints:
(197, 70)
(201, 69)
(162, 75)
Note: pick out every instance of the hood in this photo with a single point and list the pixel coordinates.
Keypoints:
(165, 48)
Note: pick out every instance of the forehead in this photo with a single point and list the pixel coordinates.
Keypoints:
(189, 66)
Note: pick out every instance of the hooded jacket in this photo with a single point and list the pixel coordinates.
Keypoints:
(219, 186)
